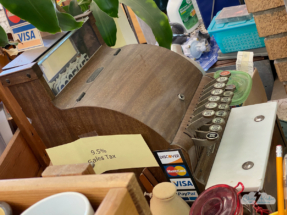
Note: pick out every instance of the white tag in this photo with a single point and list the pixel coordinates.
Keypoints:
(244, 62)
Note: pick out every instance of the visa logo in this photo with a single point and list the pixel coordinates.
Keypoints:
(182, 183)
(26, 36)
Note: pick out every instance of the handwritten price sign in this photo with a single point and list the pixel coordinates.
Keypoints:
(100, 158)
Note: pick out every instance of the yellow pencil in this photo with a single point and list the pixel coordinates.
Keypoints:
(280, 186)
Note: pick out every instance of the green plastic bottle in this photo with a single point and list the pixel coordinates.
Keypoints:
(182, 12)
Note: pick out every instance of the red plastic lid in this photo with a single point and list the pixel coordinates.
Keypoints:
(217, 200)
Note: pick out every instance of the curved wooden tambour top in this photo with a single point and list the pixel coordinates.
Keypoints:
(141, 81)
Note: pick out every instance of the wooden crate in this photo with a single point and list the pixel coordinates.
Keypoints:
(260, 5)
(109, 194)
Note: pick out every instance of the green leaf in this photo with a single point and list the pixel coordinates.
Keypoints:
(85, 7)
(105, 24)
(66, 8)
(66, 21)
(3, 37)
(74, 8)
(40, 13)
(148, 11)
(109, 6)
(81, 2)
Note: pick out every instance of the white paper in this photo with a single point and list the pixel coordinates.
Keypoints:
(244, 62)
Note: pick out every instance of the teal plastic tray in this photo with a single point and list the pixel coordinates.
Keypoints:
(236, 36)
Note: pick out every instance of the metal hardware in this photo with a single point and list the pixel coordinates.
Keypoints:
(206, 95)
(219, 85)
(214, 99)
(94, 75)
(28, 75)
(230, 87)
(218, 121)
(217, 92)
(212, 136)
(221, 113)
(81, 96)
(210, 84)
(215, 128)
(8, 81)
(181, 97)
(117, 52)
(211, 106)
(259, 118)
(247, 165)
(222, 80)
(228, 94)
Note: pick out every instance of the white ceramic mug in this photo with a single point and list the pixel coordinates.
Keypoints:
(68, 203)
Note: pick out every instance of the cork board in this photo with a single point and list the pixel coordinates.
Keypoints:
(271, 22)
(260, 5)
(281, 69)
(276, 47)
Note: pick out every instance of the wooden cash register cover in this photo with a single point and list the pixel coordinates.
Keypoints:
(135, 93)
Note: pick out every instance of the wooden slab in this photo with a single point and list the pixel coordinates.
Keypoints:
(68, 170)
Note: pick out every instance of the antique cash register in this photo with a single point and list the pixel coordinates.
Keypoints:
(76, 85)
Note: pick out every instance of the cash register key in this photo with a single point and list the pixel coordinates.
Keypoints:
(218, 121)
(214, 98)
(219, 85)
(222, 80)
(230, 87)
(217, 92)
(215, 128)
(228, 94)
(208, 113)
(212, 136)
(221, 113)
(225, 74)
(211, 106)
(226, 100)
(224, 107)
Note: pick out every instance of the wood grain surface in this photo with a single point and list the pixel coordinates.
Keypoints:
(68, 170)
(117, 202)
(18, 160)
(27, 130)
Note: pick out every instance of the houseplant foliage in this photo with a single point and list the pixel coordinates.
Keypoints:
(48, 17)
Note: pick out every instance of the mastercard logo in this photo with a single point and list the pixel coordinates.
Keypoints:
(176, 171)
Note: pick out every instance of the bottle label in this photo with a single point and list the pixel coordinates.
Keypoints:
(187, 14)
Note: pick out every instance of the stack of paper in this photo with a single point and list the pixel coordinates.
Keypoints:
(245, 62)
